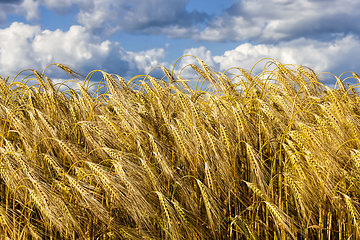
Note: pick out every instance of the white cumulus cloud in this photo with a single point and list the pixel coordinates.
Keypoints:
(335, 56)
(26, 46)
(15, 47)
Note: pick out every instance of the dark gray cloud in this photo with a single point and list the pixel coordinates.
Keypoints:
(266, 21)
(139, 16)
(109, 16)
(10, 1)
(6, 7)
(261, 21)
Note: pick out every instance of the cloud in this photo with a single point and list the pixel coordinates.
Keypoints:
(275, 20)
(138, 16)
(26, 46)
(145, 60)
(31, 8)
(191, 56)
(27, 8)
(173, 31)
(6, 7)
(261, 21)
(152, 16)
(9, 1)
(15, 47)
(336, 56)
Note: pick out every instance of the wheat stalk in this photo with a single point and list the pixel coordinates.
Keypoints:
(76, 164)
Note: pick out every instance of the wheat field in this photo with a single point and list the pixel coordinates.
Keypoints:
(235, 156)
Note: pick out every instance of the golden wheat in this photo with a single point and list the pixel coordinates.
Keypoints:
(273, 155)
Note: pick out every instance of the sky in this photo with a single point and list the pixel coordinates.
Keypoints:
(130, 37)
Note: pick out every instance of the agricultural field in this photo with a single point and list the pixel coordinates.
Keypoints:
(234, 156)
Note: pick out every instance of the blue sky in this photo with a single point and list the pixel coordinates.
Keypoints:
(130, 37)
